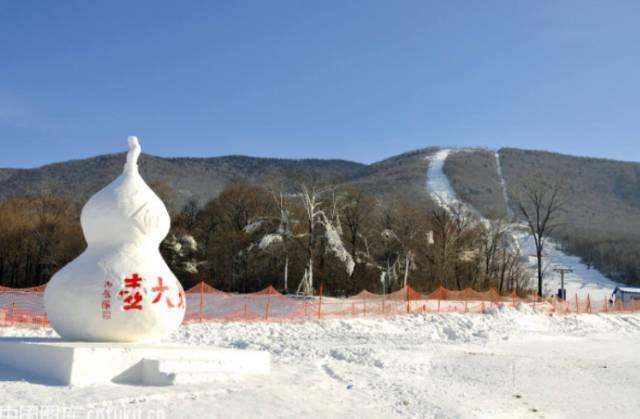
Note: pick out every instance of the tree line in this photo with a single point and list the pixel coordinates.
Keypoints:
(295, 238)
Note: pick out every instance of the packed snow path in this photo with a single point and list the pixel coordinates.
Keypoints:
(437, 182)
(440, 188)
(505, 364)
(582, 281)
(503, 187)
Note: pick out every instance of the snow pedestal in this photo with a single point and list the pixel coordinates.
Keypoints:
(57, 362)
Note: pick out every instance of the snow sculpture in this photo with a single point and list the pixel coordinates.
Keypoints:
(120, 289)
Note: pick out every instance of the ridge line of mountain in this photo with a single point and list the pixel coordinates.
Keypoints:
(311, 159)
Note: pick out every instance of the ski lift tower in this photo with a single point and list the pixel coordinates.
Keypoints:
(562, 293)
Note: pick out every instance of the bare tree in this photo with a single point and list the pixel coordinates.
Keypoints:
(358, 209)
(451, 228)
(283, 231)
(188, 217)
(324, 224)
(409, 231)
(540, 206)
(391, 245)
(330, 220)
(310, 196)
(494, 252)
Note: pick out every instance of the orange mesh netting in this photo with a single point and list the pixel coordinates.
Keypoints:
(19, 307)
(25, 307)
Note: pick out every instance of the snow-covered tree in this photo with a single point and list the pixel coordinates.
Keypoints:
(183, 254)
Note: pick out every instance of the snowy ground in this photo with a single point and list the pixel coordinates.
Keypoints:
(506, 364)
(582, 281)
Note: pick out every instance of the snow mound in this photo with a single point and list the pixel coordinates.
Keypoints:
(502, 364)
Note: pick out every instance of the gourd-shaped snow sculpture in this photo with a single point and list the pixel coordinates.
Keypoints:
(120, 289)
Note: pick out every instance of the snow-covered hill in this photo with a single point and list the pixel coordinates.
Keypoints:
(582, 281)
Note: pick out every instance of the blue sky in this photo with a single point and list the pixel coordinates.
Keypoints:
(359, 80)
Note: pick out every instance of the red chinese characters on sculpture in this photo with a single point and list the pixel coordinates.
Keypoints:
(160, 290)
(180, 301)
(131, 293)
(132, 297)
(106, 300)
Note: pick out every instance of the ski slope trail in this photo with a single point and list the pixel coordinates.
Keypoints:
(503, 186)
(582, 281)
(440, 188)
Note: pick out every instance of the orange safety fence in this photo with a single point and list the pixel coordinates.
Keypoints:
(25, 307)
(22, 307)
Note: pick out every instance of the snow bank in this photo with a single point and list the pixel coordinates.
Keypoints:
(291, 340)
(507, 363)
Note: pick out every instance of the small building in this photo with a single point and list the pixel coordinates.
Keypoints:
(624, 294)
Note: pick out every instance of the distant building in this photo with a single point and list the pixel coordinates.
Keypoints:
(625, 294)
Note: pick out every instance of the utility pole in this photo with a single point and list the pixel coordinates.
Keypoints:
(562, 294)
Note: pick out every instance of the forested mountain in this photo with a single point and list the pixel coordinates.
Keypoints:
(600, 199)
(197, 179)
(600, 219)
(201, 179)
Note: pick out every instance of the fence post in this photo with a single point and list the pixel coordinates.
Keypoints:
(408, 301)
(577, 306)
(383, 299)
(245, 312)
(201, 301)
(353, 309)
(266, 310)
(535, 299)
(438, 304)
(13, 309)
(588, 303)
(320, 301)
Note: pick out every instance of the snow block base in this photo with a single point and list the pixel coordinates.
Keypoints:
(58, 362)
